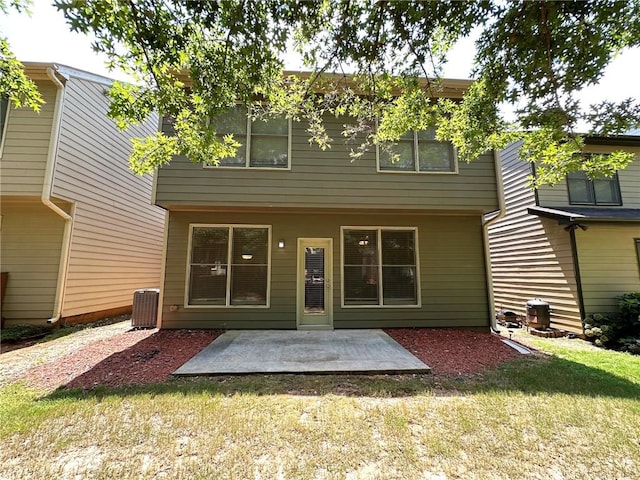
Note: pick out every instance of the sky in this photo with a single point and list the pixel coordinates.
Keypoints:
(45, 37)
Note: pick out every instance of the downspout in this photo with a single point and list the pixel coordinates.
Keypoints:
(485, 233)
(46, 198)
(576, 270)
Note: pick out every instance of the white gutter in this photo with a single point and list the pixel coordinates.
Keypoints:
(46, 197)
(485, 233)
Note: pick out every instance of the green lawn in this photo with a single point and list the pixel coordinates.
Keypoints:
(572, 415)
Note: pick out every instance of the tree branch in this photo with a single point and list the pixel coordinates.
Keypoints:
(550, 71)
(140, 37)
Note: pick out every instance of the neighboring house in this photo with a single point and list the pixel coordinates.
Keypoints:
(285, 235)
(79, 234)
(575, 245)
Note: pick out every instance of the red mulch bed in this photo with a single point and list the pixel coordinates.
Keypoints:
(135, 357)
(453, 352)
(150, 356)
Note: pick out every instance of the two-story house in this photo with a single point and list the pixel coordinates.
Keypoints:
(576, 245)
(79, 234)
(285, 235)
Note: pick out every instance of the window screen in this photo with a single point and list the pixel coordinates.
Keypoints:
(233, 122)
(229, 265)
(380, 267)
(418, 152)
(264, 143)
(599, 191)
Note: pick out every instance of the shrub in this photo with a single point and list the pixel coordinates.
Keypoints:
(629, 305)
(619, 330)
(631, 345)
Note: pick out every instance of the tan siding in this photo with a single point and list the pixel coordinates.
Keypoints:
(629, 179)
(630, 184)
(452, 272)
(30, 252)
(328, 179)
(531, 257)
(24, 155)
(117, 235)
(608, 264)
(554, 196)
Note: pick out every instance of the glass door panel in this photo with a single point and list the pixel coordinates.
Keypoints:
(314, 280)
(314, 283)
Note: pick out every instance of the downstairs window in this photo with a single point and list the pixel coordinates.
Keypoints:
(380, 266)
(228, 266)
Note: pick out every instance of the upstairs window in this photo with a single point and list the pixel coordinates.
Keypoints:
(418, 152)
(599, 191)
(380, 267)
(263, 143)
(228, 266)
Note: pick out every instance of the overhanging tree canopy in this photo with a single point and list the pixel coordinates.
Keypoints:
(14, 84)
(533, 55)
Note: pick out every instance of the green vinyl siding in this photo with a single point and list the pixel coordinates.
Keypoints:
(451, 268)
(328, 179)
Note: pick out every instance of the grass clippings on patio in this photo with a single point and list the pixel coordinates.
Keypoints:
(575, 414)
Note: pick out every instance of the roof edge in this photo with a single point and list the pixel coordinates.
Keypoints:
(444, 87)
(565, 217)
(38, 71)
(614, 140)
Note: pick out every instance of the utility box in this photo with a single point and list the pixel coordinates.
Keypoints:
(145, 308)
(538, 313)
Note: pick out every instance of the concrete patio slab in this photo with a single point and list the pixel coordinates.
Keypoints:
(295, 351)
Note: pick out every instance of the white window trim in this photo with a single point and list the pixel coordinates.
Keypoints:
(416, 162)
(247, 164)
(228, 305)
(379, 229)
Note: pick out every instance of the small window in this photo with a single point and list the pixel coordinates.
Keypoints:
(380, 267)
(4, 110)
(418, 152)
(228, 266)
(263, 143)
(599, 191)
